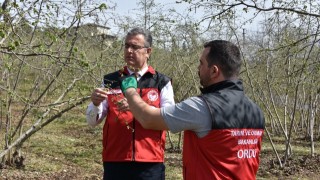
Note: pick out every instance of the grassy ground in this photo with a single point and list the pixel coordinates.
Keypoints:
(70, 149)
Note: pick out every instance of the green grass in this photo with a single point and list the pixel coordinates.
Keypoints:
(69, 149)
(63, 144)
(68, 144)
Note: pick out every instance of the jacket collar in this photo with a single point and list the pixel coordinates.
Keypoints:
(227, 84)
(143, 71)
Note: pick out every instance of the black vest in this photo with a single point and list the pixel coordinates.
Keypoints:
(230, 107)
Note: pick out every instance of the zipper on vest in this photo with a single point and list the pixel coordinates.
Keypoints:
(133, 139)
(134, 134)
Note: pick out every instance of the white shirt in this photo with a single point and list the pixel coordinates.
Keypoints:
(96, 114)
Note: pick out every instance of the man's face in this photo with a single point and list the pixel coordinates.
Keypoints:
(135, 54)
(203, 69)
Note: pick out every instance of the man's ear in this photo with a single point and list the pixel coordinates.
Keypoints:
(149, 50)
(214, 70)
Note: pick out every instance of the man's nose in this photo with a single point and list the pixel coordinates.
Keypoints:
(129, 49)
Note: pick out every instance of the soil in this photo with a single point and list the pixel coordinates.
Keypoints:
(301, 167)
(296, 167)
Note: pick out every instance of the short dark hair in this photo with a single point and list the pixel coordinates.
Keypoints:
(225, 55)
(144, 32)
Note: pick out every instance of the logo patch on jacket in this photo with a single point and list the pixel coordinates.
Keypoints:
(153, 95)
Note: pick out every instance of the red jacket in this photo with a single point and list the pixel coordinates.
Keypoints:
(231, 149)
(219, 155)
(121, 143)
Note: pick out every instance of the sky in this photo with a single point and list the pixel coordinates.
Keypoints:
(130, 7)
(127, 7)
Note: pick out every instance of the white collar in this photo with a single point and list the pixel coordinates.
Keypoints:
(141, 72)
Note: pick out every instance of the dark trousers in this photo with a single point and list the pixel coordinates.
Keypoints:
(133, 171)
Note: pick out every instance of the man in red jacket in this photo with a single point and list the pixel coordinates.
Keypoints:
(129, 150)
(223, 128)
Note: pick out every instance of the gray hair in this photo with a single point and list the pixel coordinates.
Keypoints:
(146, 34)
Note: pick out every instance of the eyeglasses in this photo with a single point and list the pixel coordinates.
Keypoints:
(133, 47)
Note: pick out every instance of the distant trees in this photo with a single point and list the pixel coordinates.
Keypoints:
(48, 66)
(281, 69)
